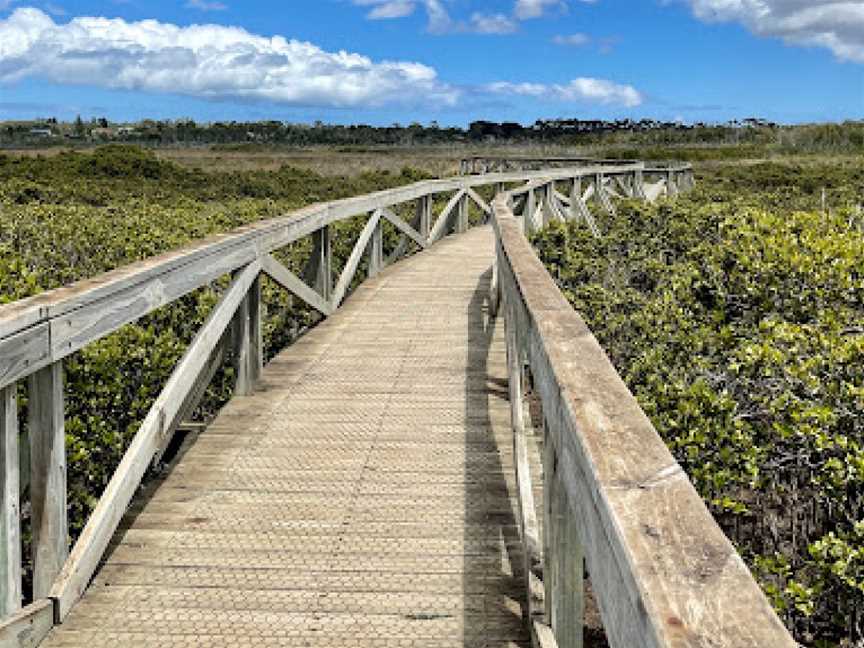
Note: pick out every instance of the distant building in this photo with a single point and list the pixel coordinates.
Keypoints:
(41, 132)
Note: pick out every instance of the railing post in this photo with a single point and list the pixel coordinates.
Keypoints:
(563, 558)
(376, 250)
(322, 262)
(638, 184)
(424, 216)
(568, 605)
(10, 506)
(47, 476)
(528, 212)
(671, 185)
(575, 195)
(462, 215)
(550, 548)
(248, 343)
(602, 196)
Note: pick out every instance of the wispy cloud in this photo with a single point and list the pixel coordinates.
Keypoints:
(206, 5)
(604, 45)
(441, 22)
(581, 90)
(527, 9)
(572, 40)
(492, 24)
(837, 25)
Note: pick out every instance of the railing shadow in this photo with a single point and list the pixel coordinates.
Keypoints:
(488, 484)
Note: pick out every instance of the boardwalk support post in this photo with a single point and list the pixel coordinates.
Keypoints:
(376, 250)
(47, 476)
(321, 263)
(248, 342)
(10, 507)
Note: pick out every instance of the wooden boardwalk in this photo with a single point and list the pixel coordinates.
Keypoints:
(363, 496)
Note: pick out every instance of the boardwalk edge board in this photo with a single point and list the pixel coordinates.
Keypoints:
(663, 572)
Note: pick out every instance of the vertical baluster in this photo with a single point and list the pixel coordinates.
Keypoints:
(47, 476)
(638, 184)
(550, 531)
(569, 609)
(462, 215)
(248, 345)
(424, 213)
(10, 526)
(376, 249)
(322, 262)
(528, 212)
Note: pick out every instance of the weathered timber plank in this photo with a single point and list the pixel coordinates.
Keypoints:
(27, 627)
(10, 506)
(46, 427)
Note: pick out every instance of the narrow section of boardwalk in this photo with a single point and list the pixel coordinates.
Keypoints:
(363, 497)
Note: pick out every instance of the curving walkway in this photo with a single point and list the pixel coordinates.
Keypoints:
(363, 497)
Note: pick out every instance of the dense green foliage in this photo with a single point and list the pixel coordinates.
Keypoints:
(76, 215)
(736, 316)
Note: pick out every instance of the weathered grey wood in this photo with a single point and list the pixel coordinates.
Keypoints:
(638, 185)
(291, 282)
(528, 212)
(256, 333)
(200, 384)
(91, 544)
(441, 226)
(461, 224)
(10, 506)
(376, 248)
(241, 349)
(318, 273)
(424, 216)
(404, 227)
(602, 194)
(542, 635)
(662, 571)
(671, 183)
(478, 200)
(354, 260)
(550, 529)
(46, 427)
(27, 627)
(568, 605)
(527, 512)
(23, 352)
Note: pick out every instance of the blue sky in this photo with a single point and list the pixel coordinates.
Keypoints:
(452, 61)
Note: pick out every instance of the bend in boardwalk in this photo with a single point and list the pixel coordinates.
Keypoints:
(362, 497)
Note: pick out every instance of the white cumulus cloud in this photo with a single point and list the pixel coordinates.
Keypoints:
(209, 61)
(580, 90)
(834, 24)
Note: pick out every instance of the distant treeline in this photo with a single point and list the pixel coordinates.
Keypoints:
(186, 132)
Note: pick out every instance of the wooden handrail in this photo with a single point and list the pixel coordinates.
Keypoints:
(36, 334)
(662, 571)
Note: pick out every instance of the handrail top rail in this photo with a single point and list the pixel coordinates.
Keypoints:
(268, 234)
(664, 573)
